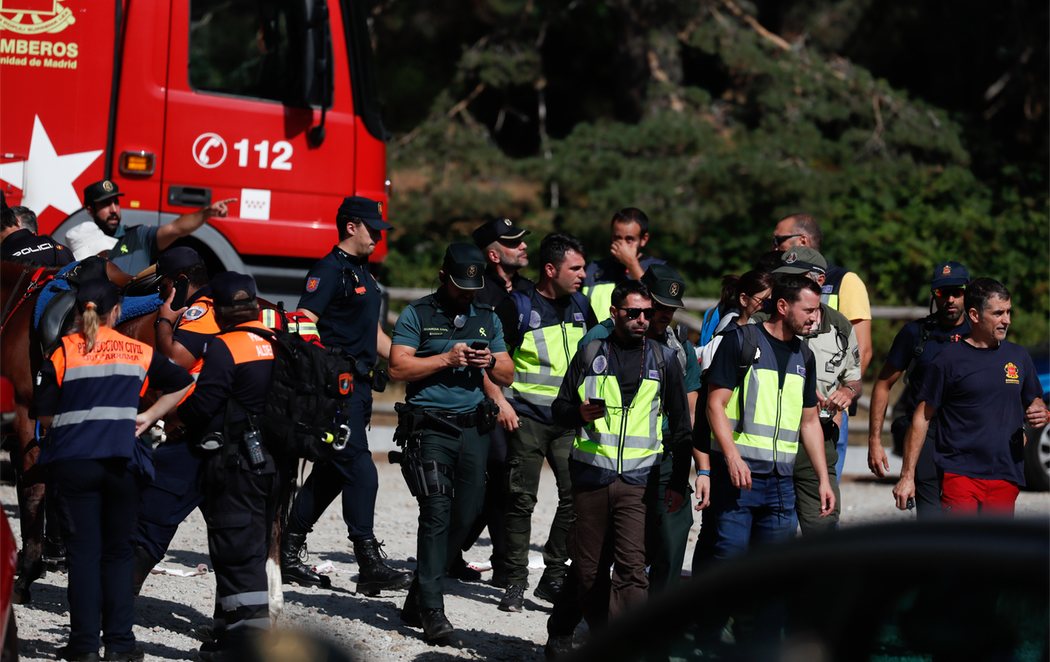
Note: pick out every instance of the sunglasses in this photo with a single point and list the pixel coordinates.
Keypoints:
(635, 313)
(781, 238)
(944, 292)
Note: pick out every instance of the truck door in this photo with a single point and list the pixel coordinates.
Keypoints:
(236, 129)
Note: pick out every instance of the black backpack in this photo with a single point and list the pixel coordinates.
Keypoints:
(308, 392)
(748, 356)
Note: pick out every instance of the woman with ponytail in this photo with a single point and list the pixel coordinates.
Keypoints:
(87, 398)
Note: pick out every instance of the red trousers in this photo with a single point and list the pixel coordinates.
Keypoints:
(968, 496)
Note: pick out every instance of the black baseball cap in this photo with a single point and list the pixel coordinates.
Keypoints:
(368, 210)
(177, 260)
(100, 191)
(101, 292)
(465, 266)
(231, 288)
(665, 285)
(949, 274)
(497, 228)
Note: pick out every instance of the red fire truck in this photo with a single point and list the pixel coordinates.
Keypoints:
(184, 102)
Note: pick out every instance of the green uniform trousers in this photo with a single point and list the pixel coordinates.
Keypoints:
(667, 534)
(807, 491)
(527, 448)
(445, 520)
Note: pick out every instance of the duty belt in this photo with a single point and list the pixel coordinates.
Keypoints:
(464, 420)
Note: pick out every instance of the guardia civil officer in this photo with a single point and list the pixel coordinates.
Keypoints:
(183, 328)
(442, 345)
(344, 299)
(87, 399)
(239, 477)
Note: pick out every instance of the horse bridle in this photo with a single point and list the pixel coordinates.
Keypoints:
(11, 306)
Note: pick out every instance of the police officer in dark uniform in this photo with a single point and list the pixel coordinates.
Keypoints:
(184, 325)
(19, 243)
(442, 345)
(503, 246)
(240, 477)
(913, 350)
(344, 299)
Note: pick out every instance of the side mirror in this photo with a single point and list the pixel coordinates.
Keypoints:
(311, 55)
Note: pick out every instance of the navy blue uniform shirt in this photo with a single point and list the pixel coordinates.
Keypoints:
(345, 297)
(24, 246)
(902, 355)
(980, 397)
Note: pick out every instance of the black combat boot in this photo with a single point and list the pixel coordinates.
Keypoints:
(410, 612)
(436, 627)
(293, 570)
(375, 575)
(28, 572)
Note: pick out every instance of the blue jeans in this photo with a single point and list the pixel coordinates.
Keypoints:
(843, 442)
(763, 514)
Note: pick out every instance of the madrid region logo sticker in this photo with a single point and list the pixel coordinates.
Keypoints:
(35, 16)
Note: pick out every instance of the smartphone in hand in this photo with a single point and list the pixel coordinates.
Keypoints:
(182, 286)
(597, 401)
(479, 345)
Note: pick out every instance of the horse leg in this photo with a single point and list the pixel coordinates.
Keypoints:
(275, 590)
(31, 507)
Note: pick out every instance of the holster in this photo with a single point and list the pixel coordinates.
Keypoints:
(488, 415)
(423, 477)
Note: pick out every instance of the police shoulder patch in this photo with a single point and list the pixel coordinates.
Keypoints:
(599, 364)
(194, 312)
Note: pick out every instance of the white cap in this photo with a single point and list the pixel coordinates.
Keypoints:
(88, 239)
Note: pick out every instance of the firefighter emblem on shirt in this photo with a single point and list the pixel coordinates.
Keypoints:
(1013, 375)
(312, 284)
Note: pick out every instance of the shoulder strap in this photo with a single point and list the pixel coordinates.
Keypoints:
(523, 302)
(925, 326)
(710, 322)
(748, 350)
(581, 302)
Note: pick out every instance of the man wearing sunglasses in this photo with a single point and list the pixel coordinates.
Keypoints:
(668, 524)
(842, 290)
(916, 345)
(616, 393)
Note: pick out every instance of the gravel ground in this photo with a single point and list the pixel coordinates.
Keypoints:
(171, 610)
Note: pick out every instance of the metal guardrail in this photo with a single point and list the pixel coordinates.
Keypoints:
(688, 319)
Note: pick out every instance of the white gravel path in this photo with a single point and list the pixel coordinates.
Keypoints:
(171, 610)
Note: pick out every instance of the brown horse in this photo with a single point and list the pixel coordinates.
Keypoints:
(20, 357)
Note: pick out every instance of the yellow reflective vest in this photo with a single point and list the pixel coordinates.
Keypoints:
(766, 417)
(628, 440)
(547, 346)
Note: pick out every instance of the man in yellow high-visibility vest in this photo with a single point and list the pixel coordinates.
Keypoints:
(761, 405)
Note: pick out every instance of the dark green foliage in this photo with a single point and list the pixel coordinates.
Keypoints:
(558, 114)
